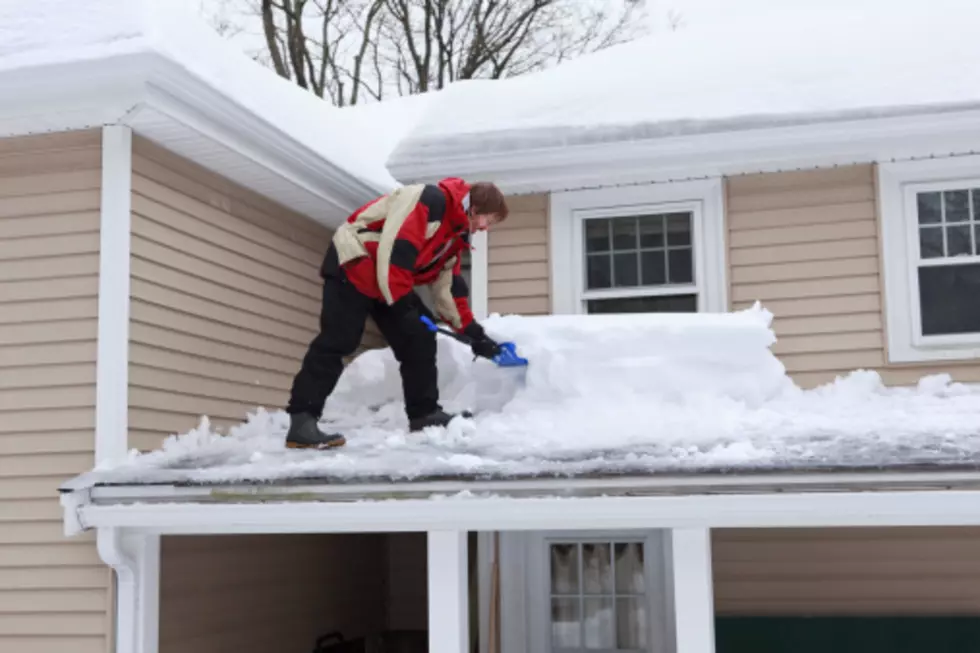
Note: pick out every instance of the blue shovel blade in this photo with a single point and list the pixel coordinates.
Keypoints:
(508, 356)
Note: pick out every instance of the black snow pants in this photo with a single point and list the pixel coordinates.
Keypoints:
(343, 315)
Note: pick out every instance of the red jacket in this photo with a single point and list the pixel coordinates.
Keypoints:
(413, 236)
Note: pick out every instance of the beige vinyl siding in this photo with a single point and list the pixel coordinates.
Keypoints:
(254, 594)
(847, 571)
(225, 298)
(54, 591)
(517, 259)
(806, 245)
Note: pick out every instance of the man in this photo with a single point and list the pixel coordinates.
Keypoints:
(411, 237)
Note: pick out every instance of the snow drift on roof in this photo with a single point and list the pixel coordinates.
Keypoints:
(53, 32)
(635, 394)
(797, 62)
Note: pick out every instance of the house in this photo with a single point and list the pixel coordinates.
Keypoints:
(184, 203)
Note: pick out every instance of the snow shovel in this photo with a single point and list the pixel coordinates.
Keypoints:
(508, 351)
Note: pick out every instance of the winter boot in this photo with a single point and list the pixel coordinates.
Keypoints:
(435, 418)
(305, 434)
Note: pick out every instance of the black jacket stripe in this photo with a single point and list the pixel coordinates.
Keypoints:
(434, 200)
(404, 254)
(459, 288)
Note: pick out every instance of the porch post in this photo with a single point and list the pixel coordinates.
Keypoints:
(694, 604)
(448, 592)
(135, 557)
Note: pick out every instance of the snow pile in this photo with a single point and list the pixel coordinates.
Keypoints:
(603, 394)
(792, 62)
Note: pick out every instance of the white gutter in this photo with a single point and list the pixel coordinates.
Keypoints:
(465, 512)
(669, 158)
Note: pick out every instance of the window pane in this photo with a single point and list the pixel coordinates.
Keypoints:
(624, 233)
(930, 208)
(948, 299)
(597, 236)
(564, 569)
(624, 270)
(599, 271)
(931, 242)
(653, 266)
(957, 205)
(958, 241)
(678, 229)
(669, 304)
(629, 568)
(976, 204)
(566, 629)
(596, 569)
(976, 240)
(599, 623)
(631, 624)
(652, 231)
(680, 265)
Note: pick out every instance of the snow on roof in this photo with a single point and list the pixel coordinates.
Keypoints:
(54, 32)
(604, 394)
(780, 63)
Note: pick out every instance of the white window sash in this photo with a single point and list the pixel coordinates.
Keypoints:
(704, 199)
(898, 184)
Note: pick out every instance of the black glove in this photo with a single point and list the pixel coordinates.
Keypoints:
(481, 344)
(408, 311)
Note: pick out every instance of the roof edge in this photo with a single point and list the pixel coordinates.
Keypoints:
(841, 141)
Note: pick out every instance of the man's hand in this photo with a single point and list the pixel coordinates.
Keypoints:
(481, 344)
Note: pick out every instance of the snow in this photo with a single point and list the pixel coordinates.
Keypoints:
(775, 63)
(53, 32)
(611, 394)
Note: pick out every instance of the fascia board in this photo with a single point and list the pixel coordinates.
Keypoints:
(703, 155)
(836, 509)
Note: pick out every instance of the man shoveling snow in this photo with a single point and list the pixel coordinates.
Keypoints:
(411, 237)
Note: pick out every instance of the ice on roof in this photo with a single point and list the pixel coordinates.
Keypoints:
(613, 394)
(35, 34)
(778, 63)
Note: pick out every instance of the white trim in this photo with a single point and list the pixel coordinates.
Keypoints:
(112, 363)
(448, 590)
(694, 615)
(897, 183)
(900, 508)
(135, 559)
(750, 150)
(479, 275)
(567, 210)
(484, 574)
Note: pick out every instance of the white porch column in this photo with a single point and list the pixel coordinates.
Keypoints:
(694, 602)
(135, 557)
(448, 592)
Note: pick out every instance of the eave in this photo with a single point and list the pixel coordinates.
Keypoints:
(165, 103)
(571, 161)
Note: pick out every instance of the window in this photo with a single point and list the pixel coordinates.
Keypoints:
(652, 248)
(930, 214)
(599, 596)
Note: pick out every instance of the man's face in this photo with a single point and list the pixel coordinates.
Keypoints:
(483, 221)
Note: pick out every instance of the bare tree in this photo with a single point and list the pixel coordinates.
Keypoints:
(346, 50)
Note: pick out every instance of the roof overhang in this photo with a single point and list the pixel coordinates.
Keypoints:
(167, 104)
(879, 498)
(572, 158)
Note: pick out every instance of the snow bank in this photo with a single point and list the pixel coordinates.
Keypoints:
(791, 62)
(603, 394)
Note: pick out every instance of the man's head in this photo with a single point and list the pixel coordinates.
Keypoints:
(487, 206)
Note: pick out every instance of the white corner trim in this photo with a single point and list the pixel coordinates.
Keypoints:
(480, 275)
(448, 589)
(897, 182)
(694, 615)
(704, 196)
(112, 366)
(135, 558)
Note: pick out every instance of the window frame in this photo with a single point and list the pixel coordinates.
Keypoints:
(898, 184)
(657, 570)
(568, 210)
